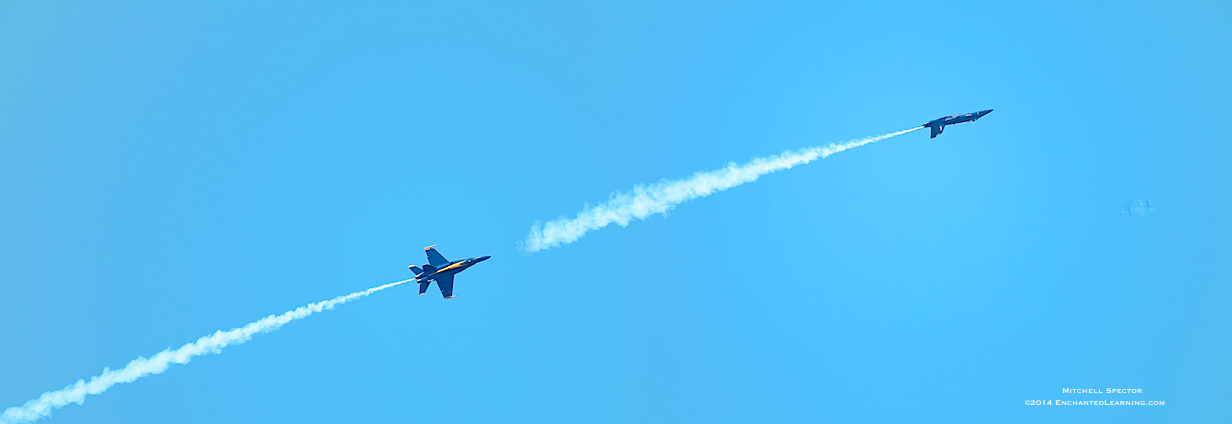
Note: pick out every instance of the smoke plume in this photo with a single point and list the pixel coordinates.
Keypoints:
(42, 407)
(661, 197)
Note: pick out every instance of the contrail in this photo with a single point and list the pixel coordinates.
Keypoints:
(663, 196)
(36, 409)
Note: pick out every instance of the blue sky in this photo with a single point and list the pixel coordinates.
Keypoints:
(168, 170)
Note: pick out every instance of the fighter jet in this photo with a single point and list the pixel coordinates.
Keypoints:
(441, 270)
(939, 124)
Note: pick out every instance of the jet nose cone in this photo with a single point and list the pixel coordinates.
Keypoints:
(482, 258)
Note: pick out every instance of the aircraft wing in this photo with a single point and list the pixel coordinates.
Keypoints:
(434, 258)
(445, 282)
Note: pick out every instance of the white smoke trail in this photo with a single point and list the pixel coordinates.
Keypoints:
(663, 196)
(42, 407)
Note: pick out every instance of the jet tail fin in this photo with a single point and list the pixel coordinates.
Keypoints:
(416, 270)
(423, 286)
(937, 130)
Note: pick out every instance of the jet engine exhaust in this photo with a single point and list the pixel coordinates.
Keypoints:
(659, 198)
(42, 407)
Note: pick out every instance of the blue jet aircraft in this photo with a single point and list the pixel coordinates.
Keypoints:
(441, 270)
(939, 124)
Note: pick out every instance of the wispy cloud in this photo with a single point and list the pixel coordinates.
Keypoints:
(42, 406)
(661, 197)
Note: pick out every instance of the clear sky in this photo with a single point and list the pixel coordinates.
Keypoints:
(168, 169)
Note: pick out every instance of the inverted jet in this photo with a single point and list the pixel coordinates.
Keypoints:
(441, 270)
(939, 124)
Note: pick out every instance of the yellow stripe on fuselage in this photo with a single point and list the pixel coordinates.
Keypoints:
(457, 265)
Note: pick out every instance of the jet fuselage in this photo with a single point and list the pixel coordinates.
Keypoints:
(454, 267)
(441, 271)
(938, 125)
